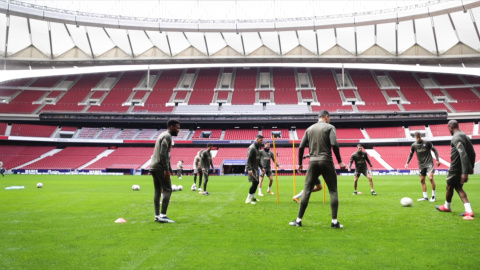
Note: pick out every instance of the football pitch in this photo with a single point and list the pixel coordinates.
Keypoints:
(69, 224)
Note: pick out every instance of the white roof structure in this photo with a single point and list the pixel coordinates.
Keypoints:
(80, 33)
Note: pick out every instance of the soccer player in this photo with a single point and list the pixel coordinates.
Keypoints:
(160, 169)
(197, 165)
(206, 163)
(423, 149)
(253, 163)
(361, 159)
(179, 169)
(462, 163)
(320, 139)
(2, 170)
(265, 156)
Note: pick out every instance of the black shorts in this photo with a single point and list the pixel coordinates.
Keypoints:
(362, 171)
(267, 172)
(453, 178)
(426, 170)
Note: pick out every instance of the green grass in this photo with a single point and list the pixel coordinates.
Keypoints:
(69, 224)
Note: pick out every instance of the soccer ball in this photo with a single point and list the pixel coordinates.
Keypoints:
(406, 201)
(174, 188)
(180, 187)
(136, 187)
(194, 188)
(39, 185)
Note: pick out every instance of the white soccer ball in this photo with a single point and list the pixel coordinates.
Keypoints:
(136, 187)
(39, 185)
(194, 188)
(174, 188)
(180, 187)
(406, 201)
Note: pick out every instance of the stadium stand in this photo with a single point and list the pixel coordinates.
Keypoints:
(285, 86)
(70, 101)
(204, 87)
(147, 134)
(69, 158)
(23, 103)
(244, 86)
(385, 132)
(14, 155)
(108, 133)
(3, 128)
(214, 134)
(349, 133)
(123, 158)
(241, 134)
(396, 156)
(442, 129)
(126, 134)
(162, 91)
(414, 93)
(187, 155)
(327, 93)
(370, 92)
(267, 134)
(32, 130)
(119, 93)
(88, 133)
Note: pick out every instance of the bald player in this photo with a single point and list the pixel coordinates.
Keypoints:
(320, 138)
(462, 163)
(423, 149)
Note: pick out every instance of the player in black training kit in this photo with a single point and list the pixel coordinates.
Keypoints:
(361, 159)
(423, 149)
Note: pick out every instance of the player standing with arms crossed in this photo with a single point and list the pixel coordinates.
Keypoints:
(160, 169)
(462, 163)
(320, 138)
(423, 149)
(253, 163)
(361, 159)
(265, 156)
(206, 163)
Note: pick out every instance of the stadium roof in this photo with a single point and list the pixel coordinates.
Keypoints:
(79, 33)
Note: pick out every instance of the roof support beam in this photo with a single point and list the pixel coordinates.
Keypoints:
(168, 43)
(279, 44)
(316, 42)
(89, 43)
(434, 35)
(243, 45)
(6, 36)
(474, 24)
(130, 43)
(206, 45)
(50, 39)
(396, 38)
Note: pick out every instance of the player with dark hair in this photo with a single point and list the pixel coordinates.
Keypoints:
(423, 149)
(265, 156)
(320, 138)
(206, 163)
(161, 169)
(197, 165)
(361, 159)
(462, 163)
(253, 163)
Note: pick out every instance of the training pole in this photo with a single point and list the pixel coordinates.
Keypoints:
(293, 147)
(276, 174)
(324, 188)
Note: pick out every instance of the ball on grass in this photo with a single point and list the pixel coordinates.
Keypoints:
(39, 185)
(136, 187)
(180, 187)
(406, 201)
